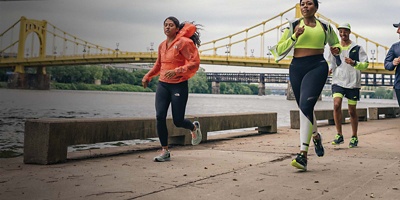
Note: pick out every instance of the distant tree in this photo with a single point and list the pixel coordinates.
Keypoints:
(118, 76)
(380, 93)
(3, 74)
(253, 88)
(198, 83)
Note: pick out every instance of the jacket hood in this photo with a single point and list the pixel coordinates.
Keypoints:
(187, 31)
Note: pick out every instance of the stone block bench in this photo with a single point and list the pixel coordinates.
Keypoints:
(326, 114)
(46, 141)
(387, 112)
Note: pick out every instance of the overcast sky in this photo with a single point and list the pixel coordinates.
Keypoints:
(135, 23)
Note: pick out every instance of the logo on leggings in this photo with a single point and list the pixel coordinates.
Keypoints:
(177, 94)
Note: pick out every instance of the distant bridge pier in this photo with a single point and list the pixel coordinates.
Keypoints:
(261, 85)
(261, 89)
(289, 92)
(215, 87)
(21, 80)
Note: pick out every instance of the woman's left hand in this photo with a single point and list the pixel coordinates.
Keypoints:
(170, 74)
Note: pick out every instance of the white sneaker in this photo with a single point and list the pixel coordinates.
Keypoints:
(164, 156)
(197, 132)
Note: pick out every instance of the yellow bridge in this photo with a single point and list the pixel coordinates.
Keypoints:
(230, 50)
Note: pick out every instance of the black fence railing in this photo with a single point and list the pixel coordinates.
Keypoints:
(366, 79)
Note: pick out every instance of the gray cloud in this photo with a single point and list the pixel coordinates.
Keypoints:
(136, 23)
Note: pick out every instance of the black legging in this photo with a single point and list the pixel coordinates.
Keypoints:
(307, 76)
(177, 96)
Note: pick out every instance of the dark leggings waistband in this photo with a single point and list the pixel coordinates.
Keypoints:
(312, 57)
(308, 62)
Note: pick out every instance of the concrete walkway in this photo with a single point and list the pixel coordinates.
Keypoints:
(238, 166)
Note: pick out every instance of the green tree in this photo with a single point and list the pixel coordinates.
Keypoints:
(139, 74)
(380, 93)
(120, 76)
(96, 72)
(253, 88)
(198, 83)
(106, 75)
(389, 94)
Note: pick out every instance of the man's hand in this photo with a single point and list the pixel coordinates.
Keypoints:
(335, 51)
(396, 61)
(349, 61)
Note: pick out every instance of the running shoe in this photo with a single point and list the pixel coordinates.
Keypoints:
(319, 149)
(300, 162)
(353, 142)
(196, 140)
(338, 140)
(164, 156)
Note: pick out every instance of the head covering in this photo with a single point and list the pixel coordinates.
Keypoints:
(188, 30)
(345, 25)
(396, 25)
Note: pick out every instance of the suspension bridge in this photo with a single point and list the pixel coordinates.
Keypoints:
(40, 44)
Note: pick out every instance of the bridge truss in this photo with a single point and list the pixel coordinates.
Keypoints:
(366, 79)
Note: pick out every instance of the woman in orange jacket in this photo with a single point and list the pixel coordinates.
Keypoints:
(178, 60)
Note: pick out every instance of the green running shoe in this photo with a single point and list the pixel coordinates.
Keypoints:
(300, 162)
(353, 142)
(338, 140)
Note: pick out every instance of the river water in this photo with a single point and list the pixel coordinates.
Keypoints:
(18, 105)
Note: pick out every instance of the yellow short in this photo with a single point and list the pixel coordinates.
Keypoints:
(349, 101)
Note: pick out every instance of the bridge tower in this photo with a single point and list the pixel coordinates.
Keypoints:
(20, 79)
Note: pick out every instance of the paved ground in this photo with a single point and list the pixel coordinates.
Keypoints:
(240, 166)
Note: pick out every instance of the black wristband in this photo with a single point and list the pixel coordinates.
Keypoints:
(291, 37)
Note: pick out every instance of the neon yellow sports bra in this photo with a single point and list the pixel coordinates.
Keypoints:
(312, 37)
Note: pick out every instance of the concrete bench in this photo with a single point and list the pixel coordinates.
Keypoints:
(387, 112)
(326, 114)
(46, 141)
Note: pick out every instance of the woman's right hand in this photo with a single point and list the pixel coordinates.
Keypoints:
(144, 83)
(299, 31)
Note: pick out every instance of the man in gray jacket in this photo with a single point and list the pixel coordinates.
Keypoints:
(392, 62)
(346, 82)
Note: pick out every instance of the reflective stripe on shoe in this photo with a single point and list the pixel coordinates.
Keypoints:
(338, 140)
(353, 142)
(300, 162)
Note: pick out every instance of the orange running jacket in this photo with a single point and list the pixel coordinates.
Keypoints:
(182, 56)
